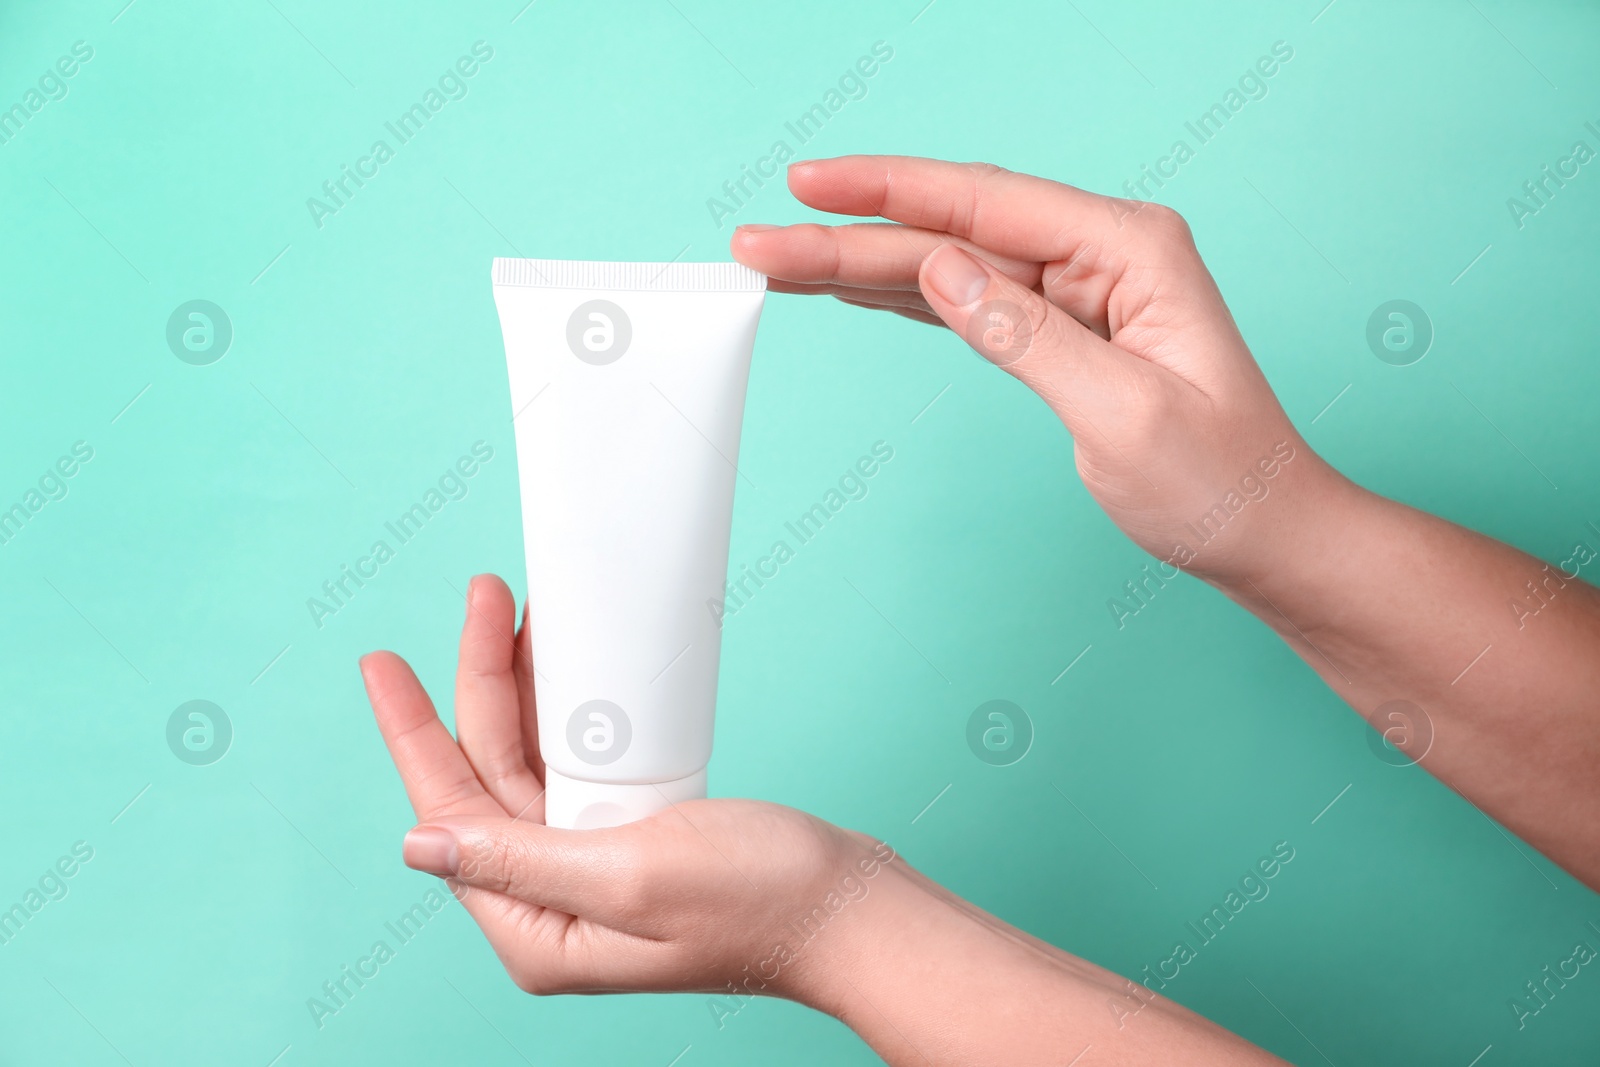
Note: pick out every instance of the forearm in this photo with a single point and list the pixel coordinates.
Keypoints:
(1499, 650)
(927, 978)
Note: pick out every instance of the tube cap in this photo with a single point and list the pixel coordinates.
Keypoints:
(576, 804)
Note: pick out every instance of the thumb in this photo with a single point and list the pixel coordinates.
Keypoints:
(592, 873)
(1085, 379)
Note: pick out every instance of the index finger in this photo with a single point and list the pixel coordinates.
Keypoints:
(437, 777)
(859, 255)
(994, 208)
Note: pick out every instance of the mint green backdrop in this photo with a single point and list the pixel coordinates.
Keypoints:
(365, 358)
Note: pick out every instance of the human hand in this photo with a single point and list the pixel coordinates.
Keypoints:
(733, 897)
(696, 897)
(1102, 307)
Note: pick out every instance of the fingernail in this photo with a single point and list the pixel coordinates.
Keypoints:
(956, 276)
(756, 227)
(431, 849)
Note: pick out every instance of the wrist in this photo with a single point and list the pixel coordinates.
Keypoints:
(914, 955)
(861, 916)
(1332, 539)
(1297, 529)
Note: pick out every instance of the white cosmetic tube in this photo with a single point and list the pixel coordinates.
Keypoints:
(627, 393)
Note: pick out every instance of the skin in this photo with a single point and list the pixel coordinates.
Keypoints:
(1133, 348)
(738, 898)
(1104, 309)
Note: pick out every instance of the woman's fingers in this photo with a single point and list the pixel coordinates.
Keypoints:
(567, 911)
(912, 305)
(1015, 215)
(489, 721)
(870, 255)
(913, 313)
(1095, 387)
(437, 777)
(887, 298)
(599, 875)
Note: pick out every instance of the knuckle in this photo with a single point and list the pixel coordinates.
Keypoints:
(962, 216)
(481, 663)
(1168, 226)
(490, 864)
(530, 980)
(1005, 329)
(813, 232)
(1050, 331)
(1159, 214)
(494, 758)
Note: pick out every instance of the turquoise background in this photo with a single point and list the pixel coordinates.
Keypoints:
(366, 359)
